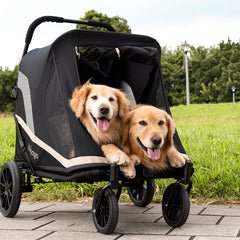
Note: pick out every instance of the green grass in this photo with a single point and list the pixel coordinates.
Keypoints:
(7, 138)
(210, 134)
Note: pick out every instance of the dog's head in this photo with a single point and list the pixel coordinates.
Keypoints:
(148, 130)
(99, 103)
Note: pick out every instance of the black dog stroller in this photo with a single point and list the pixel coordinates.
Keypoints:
(52, 143)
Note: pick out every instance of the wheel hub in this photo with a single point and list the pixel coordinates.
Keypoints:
(7, 189)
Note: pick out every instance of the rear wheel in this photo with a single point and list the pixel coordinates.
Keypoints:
(10, 189)
(142, 192)
(175, 205)
(105, 211)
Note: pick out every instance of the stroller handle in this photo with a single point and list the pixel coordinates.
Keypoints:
(40, 20)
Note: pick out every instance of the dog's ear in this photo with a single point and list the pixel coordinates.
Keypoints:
(79, 96)
(125, 129)
(171, 129)
(123, 104)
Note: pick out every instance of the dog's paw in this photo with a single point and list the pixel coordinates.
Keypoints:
(120, 158)
(135, 159)
(178, 161)
(128, 171)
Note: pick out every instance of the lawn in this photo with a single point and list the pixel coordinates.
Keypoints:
(210, 134)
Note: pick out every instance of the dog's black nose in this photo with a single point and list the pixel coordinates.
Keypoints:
(156, 140)
(104, 110)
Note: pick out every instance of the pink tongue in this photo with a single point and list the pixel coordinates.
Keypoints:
(102, 124)
(154, 153)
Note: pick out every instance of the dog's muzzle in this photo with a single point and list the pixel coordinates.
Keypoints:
(153, 153)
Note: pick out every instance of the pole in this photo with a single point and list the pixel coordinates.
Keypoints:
(187, 79)
(233, 97)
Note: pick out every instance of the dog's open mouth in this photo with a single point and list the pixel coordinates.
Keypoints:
(152, 153)
(102, 123)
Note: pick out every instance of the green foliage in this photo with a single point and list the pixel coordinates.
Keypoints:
(8, 79)
(210, 134)
(212, 73)
(118, 23)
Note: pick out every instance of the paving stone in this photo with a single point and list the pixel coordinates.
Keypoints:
(198, 219)
(82, 226)
(68, 207)
(20, 224)
(196, 209)
(142, 228)
(216, 238)
(206, 230)
(236, 208)
(30, 206)
(69, 217)
(132, 209)
(221, 210)
(155, 208)
(67, 220)
(19, 234)
(80, 236)
(22, 216)
(230, 221)
(126, 217)
(152, 237)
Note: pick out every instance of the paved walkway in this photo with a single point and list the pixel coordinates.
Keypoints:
(57, 221)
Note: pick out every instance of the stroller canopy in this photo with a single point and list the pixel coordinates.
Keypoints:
(48, 76)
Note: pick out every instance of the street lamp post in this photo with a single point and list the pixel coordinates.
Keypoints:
(233, 91)
(185, 46)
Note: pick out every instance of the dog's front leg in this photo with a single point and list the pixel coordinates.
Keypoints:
(115, 155)
(175, 158)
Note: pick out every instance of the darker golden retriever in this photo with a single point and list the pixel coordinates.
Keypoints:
(148, 138)
(101, 109)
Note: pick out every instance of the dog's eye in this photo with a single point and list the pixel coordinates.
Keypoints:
(111, 99)
(161, 123)
(143, 123)
(94, 97)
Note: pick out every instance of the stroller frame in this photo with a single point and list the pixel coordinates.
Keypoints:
(15, 176)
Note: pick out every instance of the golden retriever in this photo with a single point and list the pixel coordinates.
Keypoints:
(148, 138)
(101, 109)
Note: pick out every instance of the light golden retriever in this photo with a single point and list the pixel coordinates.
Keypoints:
(101, 109)
(148, 138)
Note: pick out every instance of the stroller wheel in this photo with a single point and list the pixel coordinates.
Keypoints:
(142, 192)
(10, 189)
(175, 205)
(105, 212)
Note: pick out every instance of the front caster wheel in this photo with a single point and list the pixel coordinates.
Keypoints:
(105, 211)
(10, 189)
(175, 205)
(142, 192)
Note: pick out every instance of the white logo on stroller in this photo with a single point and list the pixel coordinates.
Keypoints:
(33, 154)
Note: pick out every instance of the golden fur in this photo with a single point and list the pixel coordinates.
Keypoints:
(148, 138)
(89, 104)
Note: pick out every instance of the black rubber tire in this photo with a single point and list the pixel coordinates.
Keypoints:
(105, 217)
(10, 189)
(142, 193)
(175, 205)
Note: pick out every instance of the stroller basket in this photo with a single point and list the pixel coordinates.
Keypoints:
(51, 143)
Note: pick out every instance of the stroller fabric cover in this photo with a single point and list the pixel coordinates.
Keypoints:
(55, 139)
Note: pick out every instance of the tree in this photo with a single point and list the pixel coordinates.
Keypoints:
(174, 75)
(8, 79)
(212, 73)
(118, 23)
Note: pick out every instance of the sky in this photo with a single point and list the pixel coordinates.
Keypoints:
(171, 22)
